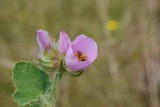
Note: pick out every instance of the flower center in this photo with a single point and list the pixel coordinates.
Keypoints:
(80, 56)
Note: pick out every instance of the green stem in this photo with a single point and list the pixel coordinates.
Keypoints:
(55, 89)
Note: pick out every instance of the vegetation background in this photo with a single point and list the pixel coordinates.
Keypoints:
(127, 70)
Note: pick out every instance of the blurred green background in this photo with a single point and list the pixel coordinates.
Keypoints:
(127, 70)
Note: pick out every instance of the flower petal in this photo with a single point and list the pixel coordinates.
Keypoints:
(64, 42)
(43, 40)
(85, 45)
(72, 62)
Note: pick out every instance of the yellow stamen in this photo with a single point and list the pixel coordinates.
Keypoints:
(80, 56)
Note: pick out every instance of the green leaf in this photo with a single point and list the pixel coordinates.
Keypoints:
(31, 83)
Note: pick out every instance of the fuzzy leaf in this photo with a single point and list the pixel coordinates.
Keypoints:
(31, 83)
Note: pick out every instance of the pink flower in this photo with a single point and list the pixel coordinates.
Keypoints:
(64, 42)
(81, 53)
(43, 40)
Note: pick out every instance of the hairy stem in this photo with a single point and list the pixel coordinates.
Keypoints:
(55, 89)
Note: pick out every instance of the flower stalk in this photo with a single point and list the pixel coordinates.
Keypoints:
(56, 85)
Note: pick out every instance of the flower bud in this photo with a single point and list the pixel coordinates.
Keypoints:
(48, 56)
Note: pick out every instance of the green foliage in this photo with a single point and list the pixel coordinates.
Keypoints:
(31, 83)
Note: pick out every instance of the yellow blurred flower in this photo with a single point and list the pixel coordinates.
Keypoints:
(112, 25)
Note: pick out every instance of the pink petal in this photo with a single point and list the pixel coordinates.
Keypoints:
(86, 46)
(72, 62)
(43, 40)
(64, 42)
